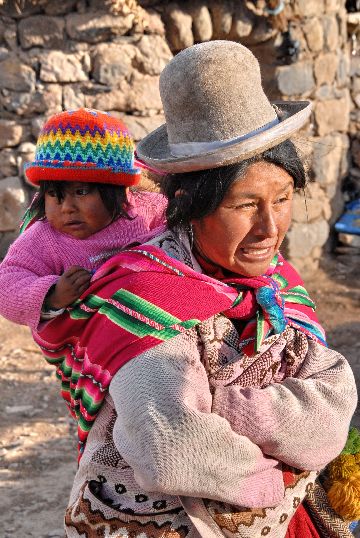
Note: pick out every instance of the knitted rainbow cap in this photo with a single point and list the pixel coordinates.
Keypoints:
(84, 145)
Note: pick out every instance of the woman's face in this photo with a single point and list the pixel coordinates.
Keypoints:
(245, 232)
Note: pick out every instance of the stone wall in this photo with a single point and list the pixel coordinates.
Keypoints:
(56, 56)
(352, 181)
(108, 55)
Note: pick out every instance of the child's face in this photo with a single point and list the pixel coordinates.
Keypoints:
(80, 213)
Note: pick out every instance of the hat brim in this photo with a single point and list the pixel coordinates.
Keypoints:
(155, 151)
(36, 173)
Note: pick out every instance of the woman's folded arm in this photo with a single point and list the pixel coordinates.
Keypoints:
(165, 430)
(302, 421)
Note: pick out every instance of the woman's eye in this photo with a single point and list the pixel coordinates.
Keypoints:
(247, 205)
(282, 200)
(51, 193)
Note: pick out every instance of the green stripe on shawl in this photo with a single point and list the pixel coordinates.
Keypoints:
(91, 301)
(281, 280)
(155, 313)
(138, 327)
(26, 220)
(71, 374)
(238, 299)
(260, 329)
(54, 360)
(77, 394)
(88, 402)
(85, 425)
(130, 323)
(298, 295)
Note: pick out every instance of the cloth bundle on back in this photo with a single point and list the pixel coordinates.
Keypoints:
(181, 381)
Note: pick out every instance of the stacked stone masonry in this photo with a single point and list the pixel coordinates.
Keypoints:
(352, 181)
(109, 54)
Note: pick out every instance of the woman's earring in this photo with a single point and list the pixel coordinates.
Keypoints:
(191, 236)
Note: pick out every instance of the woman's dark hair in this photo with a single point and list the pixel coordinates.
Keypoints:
(113, 196)
(194, 195)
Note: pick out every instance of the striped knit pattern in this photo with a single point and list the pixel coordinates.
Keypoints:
(325, 518)
(84, 139)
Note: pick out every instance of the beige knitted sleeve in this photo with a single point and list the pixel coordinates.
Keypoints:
(303, 421)
(165, 430)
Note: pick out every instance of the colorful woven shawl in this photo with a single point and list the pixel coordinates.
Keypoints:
(143, 297)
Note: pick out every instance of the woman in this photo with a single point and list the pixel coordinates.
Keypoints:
(207, 402)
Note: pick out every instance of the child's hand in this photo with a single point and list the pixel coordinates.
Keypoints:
(72, 283)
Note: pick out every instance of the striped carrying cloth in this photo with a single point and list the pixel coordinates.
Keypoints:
(143, 297)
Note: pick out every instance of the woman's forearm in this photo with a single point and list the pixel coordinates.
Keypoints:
(303, 421)
(165, 430)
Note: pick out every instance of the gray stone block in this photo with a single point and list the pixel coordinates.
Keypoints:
(178, 25)
(296, 79)
(202, 23)
(15, 75)
(94, 27)
(332, 115)
(42, 31)
(57, 66)
(12, 204)
(10, 133)
(8, 165)
(302, 238)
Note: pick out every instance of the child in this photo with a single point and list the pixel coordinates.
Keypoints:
(84, 214)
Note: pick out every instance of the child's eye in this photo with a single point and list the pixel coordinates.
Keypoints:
(51, 193)
(83, 191)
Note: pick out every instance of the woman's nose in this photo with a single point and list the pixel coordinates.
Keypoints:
(266, 224)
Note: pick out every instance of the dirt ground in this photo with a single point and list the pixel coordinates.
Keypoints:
(38, 440)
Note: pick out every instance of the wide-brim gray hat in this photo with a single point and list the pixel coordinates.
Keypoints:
(216, 111)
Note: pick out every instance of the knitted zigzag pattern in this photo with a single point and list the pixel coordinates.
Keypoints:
(90, 138)
(84, 145)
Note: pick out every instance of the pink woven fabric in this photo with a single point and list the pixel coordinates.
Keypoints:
(37, 258)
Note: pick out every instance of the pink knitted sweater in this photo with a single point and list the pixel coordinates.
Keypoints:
(38, 256)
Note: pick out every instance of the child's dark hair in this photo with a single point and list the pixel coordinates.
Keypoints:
(113, 196)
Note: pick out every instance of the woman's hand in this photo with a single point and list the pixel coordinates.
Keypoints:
(71, 284)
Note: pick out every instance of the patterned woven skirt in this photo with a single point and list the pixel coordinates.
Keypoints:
(89, 517)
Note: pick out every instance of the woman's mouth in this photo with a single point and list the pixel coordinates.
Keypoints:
(256, 252)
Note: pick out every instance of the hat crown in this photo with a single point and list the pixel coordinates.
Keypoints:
(212, 92)
(216, 111)
(86, 136)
